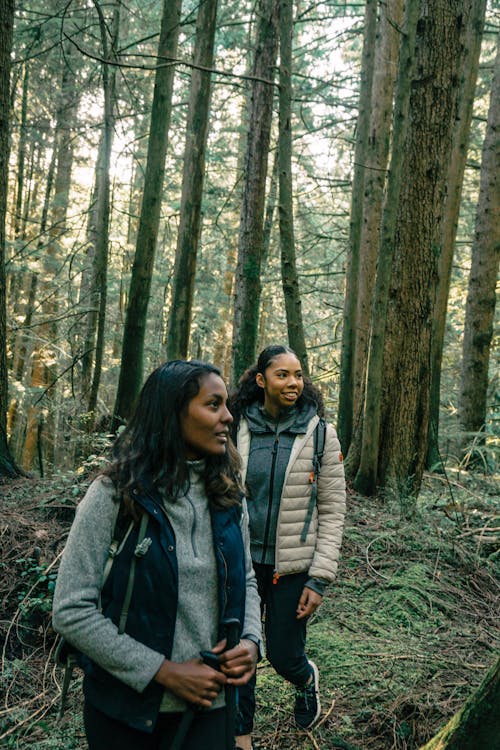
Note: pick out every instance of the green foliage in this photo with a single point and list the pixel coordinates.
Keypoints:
(37, 588)
(402, 636)
(393, 637)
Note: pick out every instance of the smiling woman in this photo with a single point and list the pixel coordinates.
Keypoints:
(295, 488)
(282, 382)
(173, 478)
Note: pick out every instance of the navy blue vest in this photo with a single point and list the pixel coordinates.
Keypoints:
(152, 612)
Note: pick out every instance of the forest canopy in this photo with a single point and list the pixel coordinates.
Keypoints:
(174, 190)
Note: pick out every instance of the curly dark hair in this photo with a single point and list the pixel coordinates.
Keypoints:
(149, 449)
(248, 391)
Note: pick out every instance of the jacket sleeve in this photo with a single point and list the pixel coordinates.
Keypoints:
(75, 609)
(331, 503)
(252, 625)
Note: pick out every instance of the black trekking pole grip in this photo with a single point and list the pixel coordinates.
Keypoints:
(231, 627)
(232, 631)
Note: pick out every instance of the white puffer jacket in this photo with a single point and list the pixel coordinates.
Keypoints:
(319, 554)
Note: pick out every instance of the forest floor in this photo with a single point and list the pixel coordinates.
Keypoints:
(403, 637)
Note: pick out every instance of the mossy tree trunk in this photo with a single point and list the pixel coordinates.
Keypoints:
(131, 368)
(24, 340)
(247, 290)
(481, 296)
(179, 322)
(7, 466)
(366, 476)
(470, 67)
(289, 274)
(346, 393)
(375, 163)
(103, 197)
(405, 412)
(477, 725)
(43, 415)
(21, 154)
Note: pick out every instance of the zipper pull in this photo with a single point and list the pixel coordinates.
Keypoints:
(276, 576)
(311, 477)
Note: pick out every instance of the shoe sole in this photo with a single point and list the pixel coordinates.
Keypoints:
(316, 682)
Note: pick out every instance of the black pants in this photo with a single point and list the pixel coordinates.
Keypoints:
(285, 637)
(207, 732)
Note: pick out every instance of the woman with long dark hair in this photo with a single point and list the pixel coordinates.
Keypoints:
(293, 469)
(142, 616)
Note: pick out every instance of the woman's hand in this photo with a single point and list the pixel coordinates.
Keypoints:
(193, 681)
(308, 603)
(238, 664)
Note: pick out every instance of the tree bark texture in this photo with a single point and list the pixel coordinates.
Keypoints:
(411, 302)
(266, 308)
(88, 300)
(454, 181)
(130, 378)
(481, 297)
(376, 164)
(21, 153)
(289, 276)
(23, 345)
(223, 350)
(477, 725)
(7, 467)
(349, 327)
(366, 477)
(43, 374)
(250, 239)
(100, 275)
(179, 322)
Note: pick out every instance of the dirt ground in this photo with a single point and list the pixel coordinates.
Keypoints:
(402, 638)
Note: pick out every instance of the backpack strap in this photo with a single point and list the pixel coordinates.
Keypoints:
(66, 654)
(141, 548)
(319, 448)
(67, 657)
(120, 535)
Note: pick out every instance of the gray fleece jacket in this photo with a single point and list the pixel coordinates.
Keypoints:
(75, 610)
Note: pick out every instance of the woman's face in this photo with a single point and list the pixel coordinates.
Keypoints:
(282, 383)
(205, 423)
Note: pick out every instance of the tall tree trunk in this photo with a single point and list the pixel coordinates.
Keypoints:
(349, 326)
(366, 476)
(450, 218)
(375, 164)
(24, 339)
(289, 274)
(130, 379)
(30, 203)
(267, 301)
(405, 391)
(477, 725)
(222, 350)
(250, 239)
(24, 335)
(21, 154)
(103, 192)
(7, 466)
(16, 294)
(88, 300)
(481, 298)
(43, 374)
(179, 323)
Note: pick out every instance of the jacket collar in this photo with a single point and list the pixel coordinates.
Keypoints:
(294, 420)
